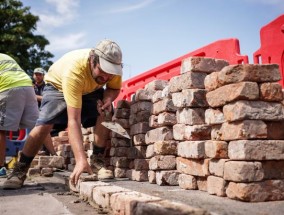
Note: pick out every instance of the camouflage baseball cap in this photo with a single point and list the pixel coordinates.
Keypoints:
(39, 70)
(110, 57)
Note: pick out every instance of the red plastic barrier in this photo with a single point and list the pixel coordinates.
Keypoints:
(272, 45)
(227, 49)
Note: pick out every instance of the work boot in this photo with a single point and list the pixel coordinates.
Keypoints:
(101, 169)
(3, 172)
(16, 179)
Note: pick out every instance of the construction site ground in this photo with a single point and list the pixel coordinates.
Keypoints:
(50, 195)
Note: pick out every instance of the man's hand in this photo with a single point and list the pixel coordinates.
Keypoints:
(102, 106)
(80, 167)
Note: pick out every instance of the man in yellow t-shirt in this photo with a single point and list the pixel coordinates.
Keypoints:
(74, 95)
(18, 105)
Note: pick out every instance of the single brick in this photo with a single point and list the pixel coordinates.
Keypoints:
(193, 166)
(232, 92)
(256, 150)
(191, 149)
(269, 190)
(187, 182)
(216, 149)
(160, 162)
(240, 110)
(216, 185)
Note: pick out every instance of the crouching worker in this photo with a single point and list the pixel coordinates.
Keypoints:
(74, 95)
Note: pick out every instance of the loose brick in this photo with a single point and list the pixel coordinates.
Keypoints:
(242, 171)
(202, 64)
(211, 81)
(216, 167)
(197, 132)
(167, 177)
(140, 106)
(249, 72)
(271, 111)
(141, 164)
(214, 116)
(216, 186)
(150, 151)
(158, 134)
(187, 182)
(167, 207)
(165, 147)
(166, 119)
(269, 190)
(190, 98)
(158, 95)
(256, 150)
(143, 95)
(191, 116)
(247, 129)
(232, 92)
(141, 116)
(156, 85)
(152, 176)
(193, 166)
(191, 149)
(271, 92)
(164, 105)
(202, 183)
(216, 149)
(160, 162)
(190, 80)
(120, 172)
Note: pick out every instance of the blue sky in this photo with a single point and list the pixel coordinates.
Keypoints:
(152, 32)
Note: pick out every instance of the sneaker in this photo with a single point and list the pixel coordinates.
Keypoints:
(3, 173)
(16, 179)
(101, 169)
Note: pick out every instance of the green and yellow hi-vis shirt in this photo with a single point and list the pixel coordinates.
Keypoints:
(11, 74)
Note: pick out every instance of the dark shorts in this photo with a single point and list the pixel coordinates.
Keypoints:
(53, 109)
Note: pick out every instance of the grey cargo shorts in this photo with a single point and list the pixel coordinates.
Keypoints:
(53, 109)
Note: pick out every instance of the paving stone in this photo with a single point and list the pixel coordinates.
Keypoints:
(126, 202)
(102, 194)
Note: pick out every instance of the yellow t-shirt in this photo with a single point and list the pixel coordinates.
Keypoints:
(71, 75)
(11, 74)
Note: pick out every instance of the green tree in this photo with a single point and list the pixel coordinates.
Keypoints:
(17, 39)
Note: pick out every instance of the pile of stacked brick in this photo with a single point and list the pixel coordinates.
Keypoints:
(246, 147)
(119, 144)
(189, 97)
(45, 166)
(140, 111)
(161, 147)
